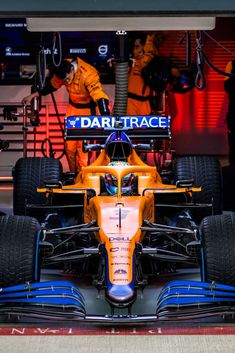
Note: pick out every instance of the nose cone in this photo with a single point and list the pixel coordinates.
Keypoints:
(121, 293)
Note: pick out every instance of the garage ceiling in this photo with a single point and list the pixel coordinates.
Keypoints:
(91, 8)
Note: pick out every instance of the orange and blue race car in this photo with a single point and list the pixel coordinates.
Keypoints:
(123, 223)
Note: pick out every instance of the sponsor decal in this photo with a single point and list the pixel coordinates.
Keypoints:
(78, 50)
(120, 271)
(132, 122)
(48, 51)
(126, 249)
(124, 214)
(123, 239)
(126, 257)
(14, 25)
(114, 249)
(9, 52)
(103, 49)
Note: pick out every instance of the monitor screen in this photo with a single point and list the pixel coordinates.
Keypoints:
(18, 47)
(16, 43)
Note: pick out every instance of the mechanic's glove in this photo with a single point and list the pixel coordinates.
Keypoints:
(103, 105)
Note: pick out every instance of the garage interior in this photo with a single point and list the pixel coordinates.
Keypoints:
(198, 118)
(198, 121)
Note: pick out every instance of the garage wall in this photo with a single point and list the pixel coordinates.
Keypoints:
(199, 117)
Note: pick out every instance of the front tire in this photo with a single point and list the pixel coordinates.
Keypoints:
(218, 246)
(19, 253)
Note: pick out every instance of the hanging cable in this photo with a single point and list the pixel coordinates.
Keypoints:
(43, 149)
(209, 63)
(41, 67)
(57, 114)
(221, 72)
(56, 38)
(200, 78)
(202, 58)
(51, 151)
(219, 44)
(188, 49)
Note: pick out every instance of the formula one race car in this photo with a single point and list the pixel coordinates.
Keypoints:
(121, 221)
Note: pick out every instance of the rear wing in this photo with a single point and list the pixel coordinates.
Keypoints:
(100, 127)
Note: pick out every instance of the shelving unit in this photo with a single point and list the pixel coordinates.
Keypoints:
(29, 142)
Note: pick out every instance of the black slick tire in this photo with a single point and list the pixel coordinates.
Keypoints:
(19, 257)
(206, 172)
(218, 246)
(29, 174)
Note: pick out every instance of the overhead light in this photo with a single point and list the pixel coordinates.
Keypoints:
(62, 24)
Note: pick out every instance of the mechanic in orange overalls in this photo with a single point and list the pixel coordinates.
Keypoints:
(138, 93)
(85, 94)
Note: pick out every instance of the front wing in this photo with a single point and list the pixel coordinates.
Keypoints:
(61, 300)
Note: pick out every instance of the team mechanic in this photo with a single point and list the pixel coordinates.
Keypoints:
(138, 94)
(151, 76)
(85, 93)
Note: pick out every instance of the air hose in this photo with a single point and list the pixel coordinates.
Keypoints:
(121, 88)
(121, 75)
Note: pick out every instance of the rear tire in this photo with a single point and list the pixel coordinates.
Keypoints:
(218, 244)
(19, 242)
(206, 172)
(29, 174)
